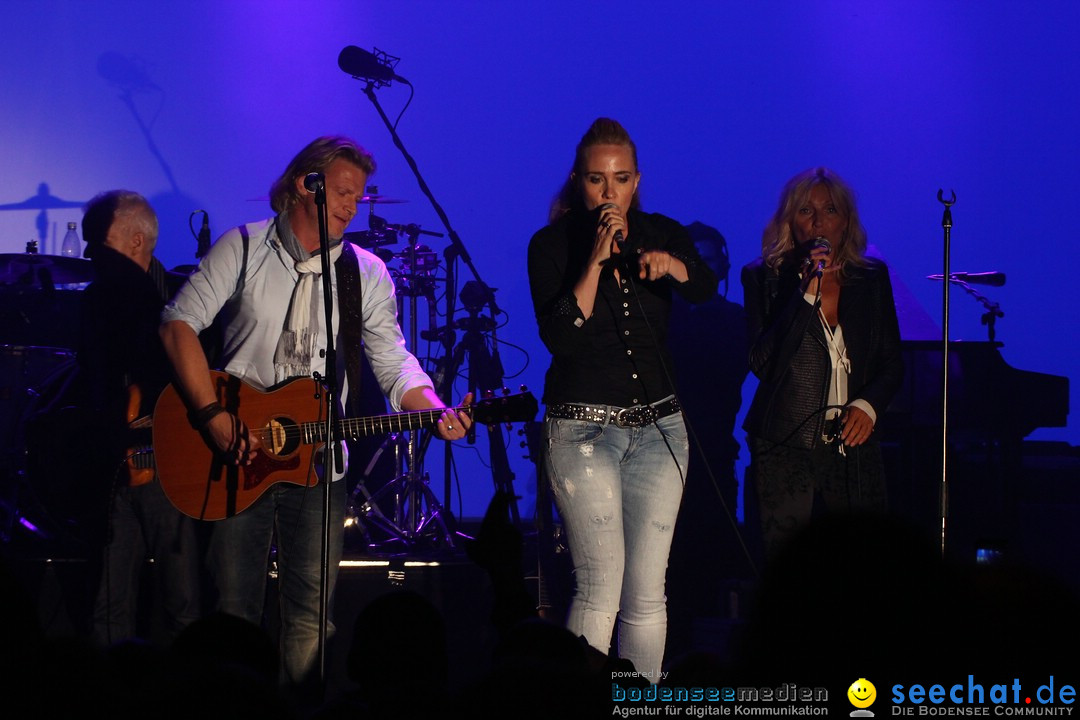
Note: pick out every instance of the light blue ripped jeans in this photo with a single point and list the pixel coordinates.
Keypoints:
(618, 491)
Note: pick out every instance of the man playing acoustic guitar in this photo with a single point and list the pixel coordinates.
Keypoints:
(265, 280)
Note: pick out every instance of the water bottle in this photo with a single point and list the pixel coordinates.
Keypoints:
(71, 246)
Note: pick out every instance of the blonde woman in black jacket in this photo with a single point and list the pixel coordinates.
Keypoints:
(825, 346)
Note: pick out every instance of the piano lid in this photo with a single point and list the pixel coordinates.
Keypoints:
(988, 398)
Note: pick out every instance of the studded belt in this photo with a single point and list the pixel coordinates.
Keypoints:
(637, 416)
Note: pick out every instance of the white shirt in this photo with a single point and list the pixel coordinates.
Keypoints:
(254, 324)
(841, 368)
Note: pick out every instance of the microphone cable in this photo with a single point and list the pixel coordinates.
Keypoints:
(632, 281)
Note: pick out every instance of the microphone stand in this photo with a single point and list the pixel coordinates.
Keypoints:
(455, 241)
(454, 251)
(943, 498)
(333, 459)
(993, 309)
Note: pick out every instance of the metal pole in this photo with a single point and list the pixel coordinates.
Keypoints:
(943, 499)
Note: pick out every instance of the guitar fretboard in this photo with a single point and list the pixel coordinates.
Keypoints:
(353, 428)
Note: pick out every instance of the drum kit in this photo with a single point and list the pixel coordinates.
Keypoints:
(38, 328)
(38, 320)
(413, 516)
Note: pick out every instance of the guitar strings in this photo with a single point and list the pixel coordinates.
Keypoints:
(292, 431)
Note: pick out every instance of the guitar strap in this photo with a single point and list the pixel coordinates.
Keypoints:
(212, 338)
(246, 240)
(351, 328)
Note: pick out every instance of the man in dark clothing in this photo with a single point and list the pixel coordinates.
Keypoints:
(123, 369)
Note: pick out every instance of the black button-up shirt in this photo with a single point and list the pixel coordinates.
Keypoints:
(619, 356)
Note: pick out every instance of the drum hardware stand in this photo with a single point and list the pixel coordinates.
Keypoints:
(485, 371)
(378, 77)
(417, 516)
(9, 503)
(362, 505)
(993, 309)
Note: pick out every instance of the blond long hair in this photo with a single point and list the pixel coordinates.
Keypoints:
(316, 157)
(777, 241)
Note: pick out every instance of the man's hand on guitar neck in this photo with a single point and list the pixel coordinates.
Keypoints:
(452, 424)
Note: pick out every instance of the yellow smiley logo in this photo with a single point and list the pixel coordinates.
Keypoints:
(862, 693)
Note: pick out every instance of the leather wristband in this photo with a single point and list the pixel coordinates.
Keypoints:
(199, 418)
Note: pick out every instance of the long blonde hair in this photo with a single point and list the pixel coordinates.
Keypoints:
(777, 242)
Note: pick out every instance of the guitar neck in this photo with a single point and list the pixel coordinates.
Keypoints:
(353, 428)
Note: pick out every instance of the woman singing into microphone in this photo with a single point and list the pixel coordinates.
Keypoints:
(825, 346)
(602, 275)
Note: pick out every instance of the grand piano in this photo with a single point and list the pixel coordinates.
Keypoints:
(988, 398)
(990, 480)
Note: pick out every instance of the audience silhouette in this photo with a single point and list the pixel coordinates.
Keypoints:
(848, 596)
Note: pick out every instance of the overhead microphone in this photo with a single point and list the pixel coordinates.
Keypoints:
(364, 65)
(994, 278)
(314, 181)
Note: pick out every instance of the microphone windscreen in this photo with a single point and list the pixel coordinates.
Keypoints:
(362, 64)
(313, 181)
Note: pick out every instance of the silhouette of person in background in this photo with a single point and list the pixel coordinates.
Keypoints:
(397, 659)
(124, 369)
(869, 589)
(708, 345)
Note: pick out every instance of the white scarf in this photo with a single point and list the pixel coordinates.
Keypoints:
(300, 336)
(841, 368)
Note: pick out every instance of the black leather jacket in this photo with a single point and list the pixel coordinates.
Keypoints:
(790, 357)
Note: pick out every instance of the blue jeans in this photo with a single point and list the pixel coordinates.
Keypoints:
(142, 522)
(618, 491)
(238, 563)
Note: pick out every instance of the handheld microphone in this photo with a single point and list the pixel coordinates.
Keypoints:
(365, 66)
(314, 181)
(619, 237)
(824, 244)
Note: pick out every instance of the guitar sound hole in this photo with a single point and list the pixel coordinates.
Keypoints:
(283, 436)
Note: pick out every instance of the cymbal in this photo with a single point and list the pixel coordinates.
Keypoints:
(380, 200)
(369, 199)
(30, 269)
(368, 239)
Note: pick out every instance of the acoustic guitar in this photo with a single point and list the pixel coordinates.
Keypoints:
(289, 421)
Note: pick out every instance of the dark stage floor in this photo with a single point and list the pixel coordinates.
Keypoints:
(879, 576)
